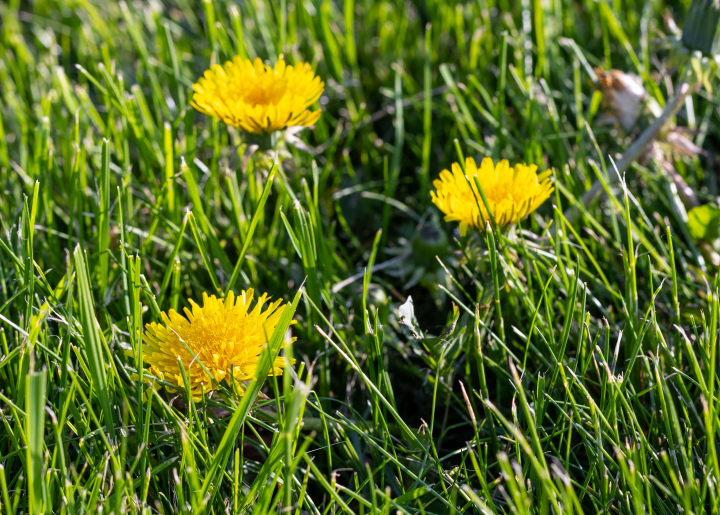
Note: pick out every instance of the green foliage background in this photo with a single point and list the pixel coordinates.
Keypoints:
(559, 367)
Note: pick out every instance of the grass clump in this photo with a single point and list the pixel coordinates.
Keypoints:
(558, 362)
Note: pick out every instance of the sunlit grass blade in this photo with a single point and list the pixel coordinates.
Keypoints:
(264, 367)
(251, 229)
(92, 340)
(35, 406)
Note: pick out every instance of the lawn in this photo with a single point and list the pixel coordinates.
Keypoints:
(209, 305)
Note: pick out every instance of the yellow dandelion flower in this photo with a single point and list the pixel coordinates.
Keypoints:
(225, 336)
(512, 193)
(256, 98)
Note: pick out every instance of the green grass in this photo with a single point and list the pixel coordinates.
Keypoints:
(569, 365)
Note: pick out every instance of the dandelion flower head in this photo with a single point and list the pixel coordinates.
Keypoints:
(256, 98)
(512, 193)
(225, 337)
